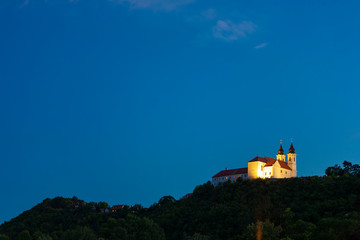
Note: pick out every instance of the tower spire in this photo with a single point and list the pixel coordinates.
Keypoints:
(281, 150)
(292, 159)
(291, 149)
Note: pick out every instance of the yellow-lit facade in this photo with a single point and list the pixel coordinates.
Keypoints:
(274, 168)
(262, 167)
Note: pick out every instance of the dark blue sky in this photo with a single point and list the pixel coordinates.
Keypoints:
(126, 101)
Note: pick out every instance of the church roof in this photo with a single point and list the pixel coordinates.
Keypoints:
(231, 172)
(262, 159)
(270, 161)
(259, 159)
(284, 165)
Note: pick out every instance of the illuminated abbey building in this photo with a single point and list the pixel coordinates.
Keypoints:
(262, 167)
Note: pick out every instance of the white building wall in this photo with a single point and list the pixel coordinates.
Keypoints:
(255, 170)
(281, 172)
(232, 178)
(292, 163)
(280, 157)
(268, 172)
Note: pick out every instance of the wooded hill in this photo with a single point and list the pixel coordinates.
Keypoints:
(295, 208)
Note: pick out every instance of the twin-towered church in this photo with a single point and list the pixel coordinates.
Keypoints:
(262, 167)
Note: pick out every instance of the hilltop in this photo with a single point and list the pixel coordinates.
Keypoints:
(295, 208)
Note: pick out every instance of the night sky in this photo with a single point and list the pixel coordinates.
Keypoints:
(126, 101)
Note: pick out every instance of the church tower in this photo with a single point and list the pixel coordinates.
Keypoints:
(280, 156)
(292, 159)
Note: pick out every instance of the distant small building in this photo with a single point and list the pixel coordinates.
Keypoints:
(262, 167)
(115, 208)
(79, 203)
(105, 210)
(232, 175)
(187, 196)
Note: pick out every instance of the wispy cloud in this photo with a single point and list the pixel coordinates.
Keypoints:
(230, 31)
(209, 13)
(155, 4)
(27, 2)
(24, 4)
(166, 5)
(261, 45)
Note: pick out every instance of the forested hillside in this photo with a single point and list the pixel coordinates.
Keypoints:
(296, 208)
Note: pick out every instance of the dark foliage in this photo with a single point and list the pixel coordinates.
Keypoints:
(73, 219)
(348, 169)
(297, 208)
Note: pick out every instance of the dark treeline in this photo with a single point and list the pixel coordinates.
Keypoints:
(295, 208)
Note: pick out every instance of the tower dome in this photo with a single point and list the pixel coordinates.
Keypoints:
(291, 149)
(281, 150)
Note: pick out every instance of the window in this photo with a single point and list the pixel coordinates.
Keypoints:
(285, 172)
(265, 173)
(281, 171)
